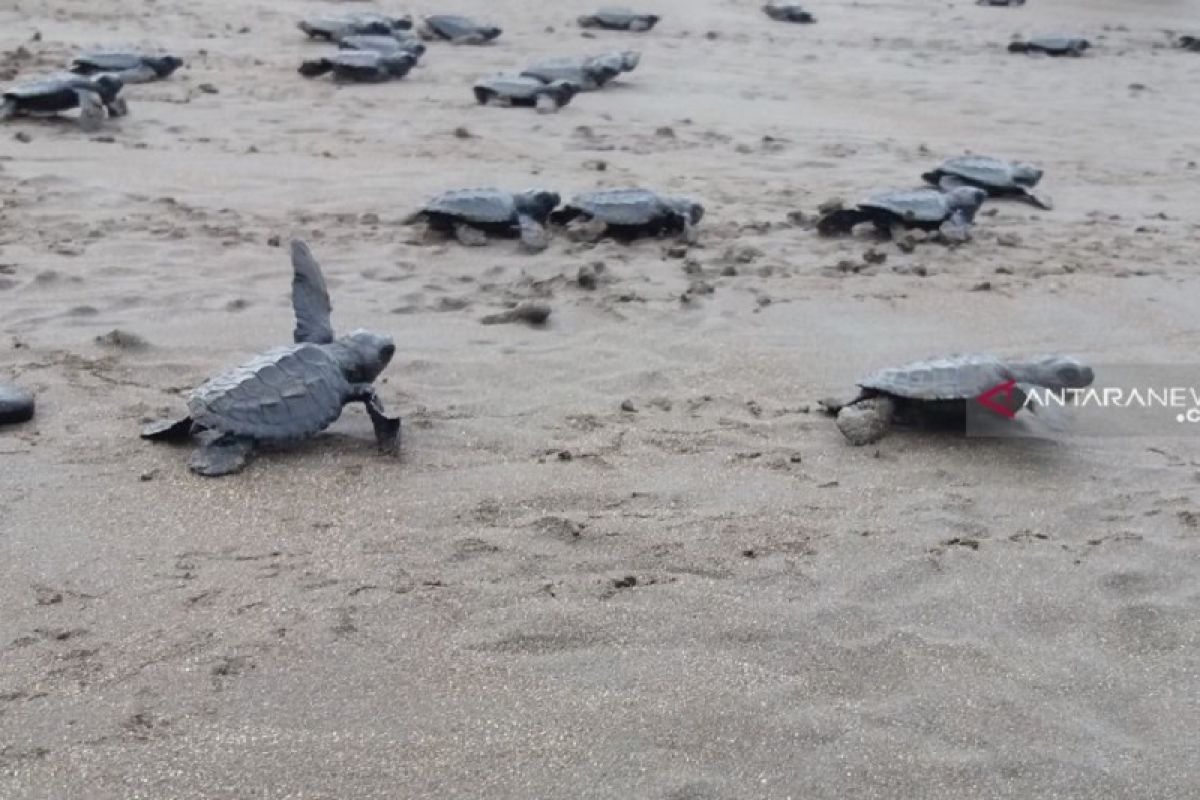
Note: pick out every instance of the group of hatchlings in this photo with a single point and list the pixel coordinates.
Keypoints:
(298, 390)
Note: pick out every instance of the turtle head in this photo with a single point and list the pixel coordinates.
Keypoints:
(363, 355)
(400, 63)
(967, 198)
(564, 91)
(488, 32)
(110, 86)
(537, 203)
(630, 59)
(687, 208)
(165, 65)
(1054, 372)
(1026, 174)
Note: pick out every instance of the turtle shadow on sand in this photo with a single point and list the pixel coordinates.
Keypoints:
(288, 393)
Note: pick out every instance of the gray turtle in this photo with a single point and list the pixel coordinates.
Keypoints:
(457, 29)
(288, 393)
(937, 391)
(130, 67)
(362, 66)
(788, 12)
(332, 28)
(628, 214)
(48, 97)
(619, 19)
(996, 176)
(471, 215)
(999, 2)
(951, 212)
(16, 404)
(524, 91)
(587, 72)
(1051, 45)
(1189, 43)
(385, 45)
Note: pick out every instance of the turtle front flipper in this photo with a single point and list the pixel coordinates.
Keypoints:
(841, 221)
(168, 430)
(92, 111)
(957, 228)
(1037, 200)
(387, 429)
(117, 107)
(866, 421)
(223, 455)
(469, 236)
(533, 235)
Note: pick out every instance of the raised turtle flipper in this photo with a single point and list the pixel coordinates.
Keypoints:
(92, 111)
(169, 430)
(223, 455)
(315, 67)
(1037, 199)
(533, 234)
(117, 107)
(310, 297)
(841, 221)
(866, 421)
(957, 228)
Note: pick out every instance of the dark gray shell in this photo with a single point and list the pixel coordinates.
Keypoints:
(1058, 43)
(917, 205)
(475, 205)
(626, 207)
(385, 45)
(621, 17)
(453, 26)
(109, 61)
(334, 27)
(519, 87)
(286, 393)
(49, 86)
(957, 377)
(583, 72)
(981, 170)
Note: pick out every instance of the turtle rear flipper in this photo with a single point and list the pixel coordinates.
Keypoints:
(315, 67)
(223, 455)
(168, 430)
(1038, 200)
(841, 221)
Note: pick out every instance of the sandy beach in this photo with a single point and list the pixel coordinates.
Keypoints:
(623, 555)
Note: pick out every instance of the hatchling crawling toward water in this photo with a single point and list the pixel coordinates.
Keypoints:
(333, 28)
(936, 392)
(96, 98)
(288, 393)
(788, 12)
(619, 19)
(523, 91)
(129, 67)
(361, 66)
(457, 30)
(950, 213)
(999, 2)
(586, 72)
(1051, 45)
(1189, 43)
(628, 214)
(384, 45)
(471, 215)
(996, 176)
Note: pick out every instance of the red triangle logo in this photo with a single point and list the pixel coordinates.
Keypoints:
(988, 399)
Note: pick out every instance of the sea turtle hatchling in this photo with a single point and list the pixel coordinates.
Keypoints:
(784, 11)
(456, 29)
(287, 393)
(1051, 45)
(587, 72)
(937, 391)
(331, 28)
(950, 213)
(361, 66)
(996, 176)
(1000, 2)
(524, 91)
(50, 96)
(1188, 43)
(619, 19)
(385, 45)
(471, 215)
(130, 67)
(628, 214)
(16, 404)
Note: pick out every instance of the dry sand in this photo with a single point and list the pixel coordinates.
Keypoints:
(711, 596)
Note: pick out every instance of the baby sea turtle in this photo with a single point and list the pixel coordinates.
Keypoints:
(937, 391)
(788, 12)
(587, 72)
(999, 2)
(628, 214)
(951, 212)
(385, 45)
(333, 28)
(457, 29)
(287, 393)
(16, 404)
(1051, 45)
(521, 90)
(471, 215)
(996, 176)
(48, 97)
(362, 66)
(130, 67)
(619, 19)
(1189, 43)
